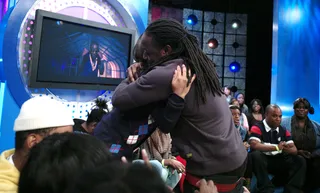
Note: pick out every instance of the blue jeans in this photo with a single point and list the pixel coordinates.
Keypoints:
(169, 175)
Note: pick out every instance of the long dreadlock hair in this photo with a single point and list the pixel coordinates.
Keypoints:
(184, 45)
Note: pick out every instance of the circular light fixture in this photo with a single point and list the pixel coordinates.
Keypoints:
(192, 19)
(236, 24)
(235, 45)
(213, 43)
(214, 22)
(234, 67)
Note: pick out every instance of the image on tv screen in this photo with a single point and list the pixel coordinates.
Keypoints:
(75, 53)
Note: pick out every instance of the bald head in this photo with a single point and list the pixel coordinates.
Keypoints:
(273, 116)
(271, 107)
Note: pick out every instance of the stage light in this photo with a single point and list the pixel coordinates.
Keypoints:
(235, 45)
(192, 19)
(293, 15)
(234, 67)
(213, 43)
(236, 23)
(214, 22)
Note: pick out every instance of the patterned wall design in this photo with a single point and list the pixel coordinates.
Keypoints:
(226, 36)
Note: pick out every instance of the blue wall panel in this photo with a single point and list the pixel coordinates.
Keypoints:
(296, 54)
(9, 110)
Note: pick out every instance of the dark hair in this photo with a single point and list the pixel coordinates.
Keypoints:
(228, 87)
(21, 136)
(185, 45)
(232, 100)
(57, 159)
(239, 93)
(305, 102)
(119, 178)
(94, 43)
(234, 107)
(259, 103)
(99, 109)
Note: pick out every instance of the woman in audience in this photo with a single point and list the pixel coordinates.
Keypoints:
(243, 117)
(256, 112)
(240, 97)
(158, 147)
(306, 136)
(53, 163)
(227, 92)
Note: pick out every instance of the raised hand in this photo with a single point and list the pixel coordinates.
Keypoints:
(206, 187)
(180, 82)
(132, 72)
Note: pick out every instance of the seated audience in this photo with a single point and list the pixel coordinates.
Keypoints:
(243, 117)
(54, 163)
(158, 147)
(236, 114)
(98, 110)
(38, 118)
(275, 153)
(256, 113)
(306, 136)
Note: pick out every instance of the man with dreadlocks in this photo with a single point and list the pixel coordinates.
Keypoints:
(204, 134)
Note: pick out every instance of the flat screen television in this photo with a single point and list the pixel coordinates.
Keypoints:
(73, 53)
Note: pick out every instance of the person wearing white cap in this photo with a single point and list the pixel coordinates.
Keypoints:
(38, 118)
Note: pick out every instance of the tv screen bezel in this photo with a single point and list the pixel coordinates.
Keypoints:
(34, 65)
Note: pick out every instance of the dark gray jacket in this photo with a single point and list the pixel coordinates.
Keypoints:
(205, 134)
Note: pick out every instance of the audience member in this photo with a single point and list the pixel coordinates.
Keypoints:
(306, 136)
(38, 118)
(243, 117)
(204, 134)
(227, 92)
(94, 117)
(236, 114)
(240, 97)
(56, 161)
(256, 112)
(275, 153)
(158, 147)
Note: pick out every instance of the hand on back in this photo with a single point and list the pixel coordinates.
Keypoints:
(180, 82)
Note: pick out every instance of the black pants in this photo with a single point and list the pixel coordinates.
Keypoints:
(223, 178)
(291, 166)
(313, 171)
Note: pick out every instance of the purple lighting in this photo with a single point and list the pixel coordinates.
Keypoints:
(29, 51)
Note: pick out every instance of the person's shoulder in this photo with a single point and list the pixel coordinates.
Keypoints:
(162, 73)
